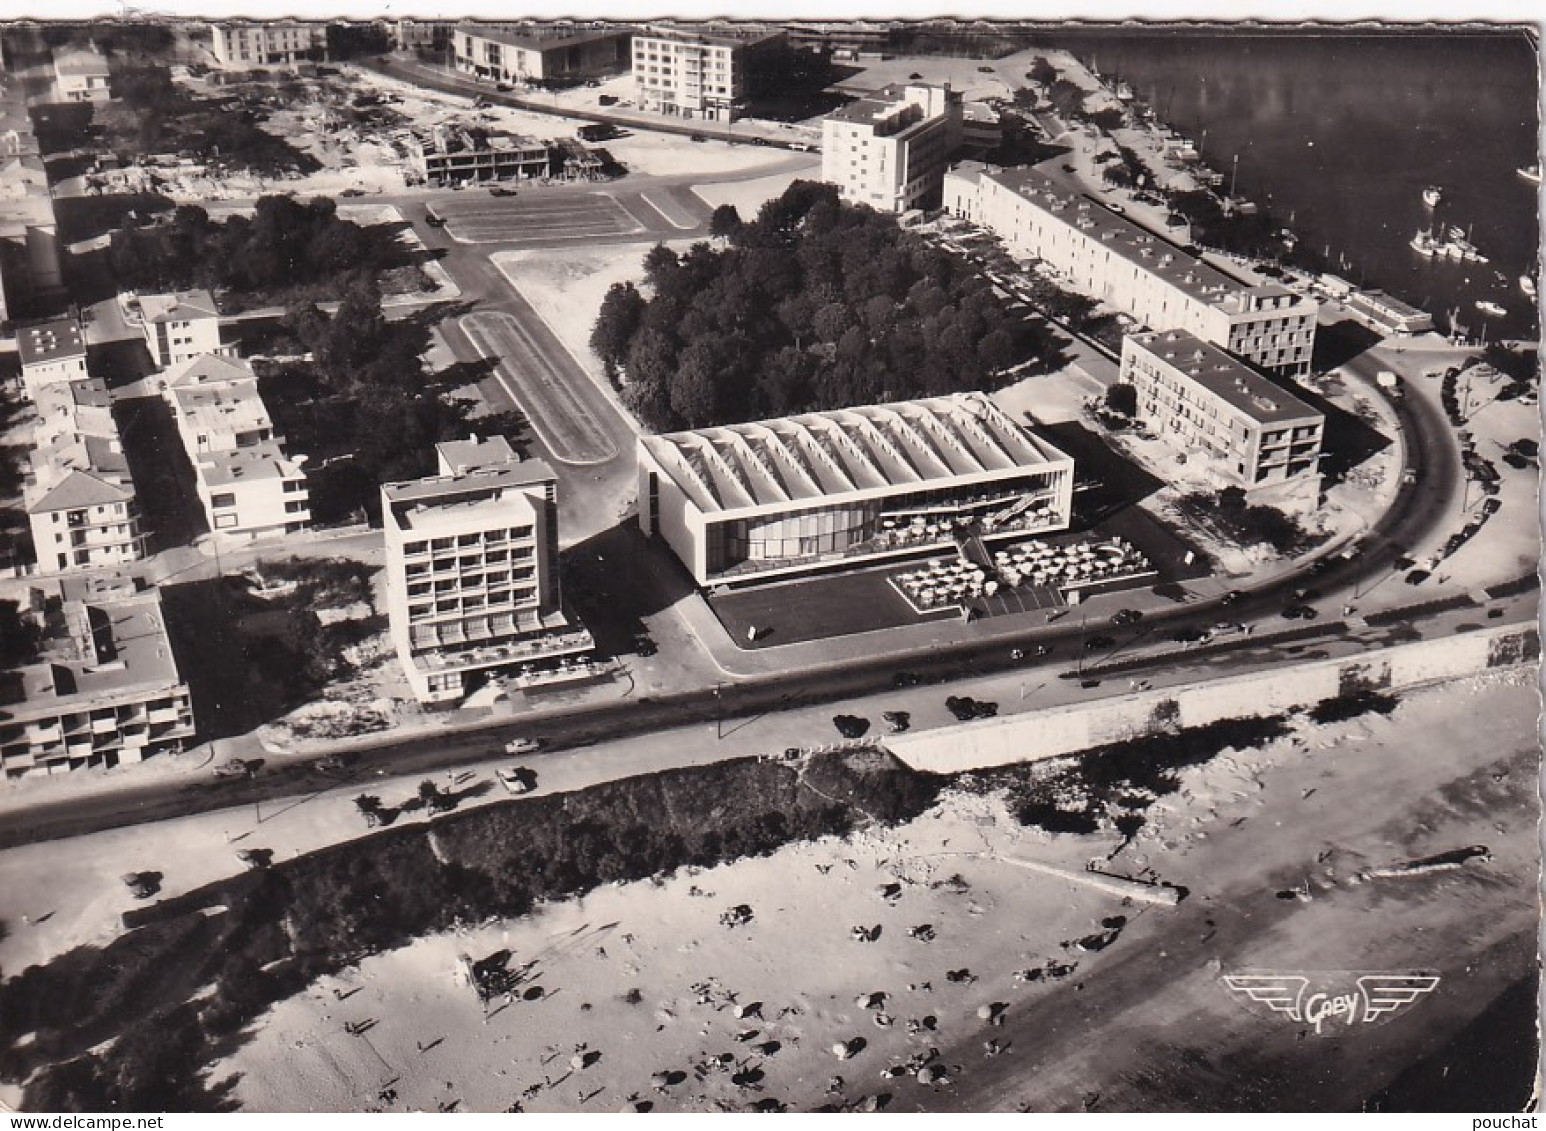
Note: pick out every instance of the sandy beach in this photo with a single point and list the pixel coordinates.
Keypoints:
(874, 970)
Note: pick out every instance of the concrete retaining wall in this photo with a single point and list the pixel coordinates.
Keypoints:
(1069, 729)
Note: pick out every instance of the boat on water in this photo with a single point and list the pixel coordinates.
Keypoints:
(1531, 173)
(1425, 245)
(1527, 285)
(1432, 195)
(1488, 307)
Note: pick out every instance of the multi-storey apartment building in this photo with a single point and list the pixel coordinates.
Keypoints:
(248, 485)
(104, 689)
(284, 43)
(1123, 264)
(747, 502)
(81, 74)
(472, 570)
(890, 149)
(451, 154)
(1251, 431)
(83, 407)
(51, 354)
(180, 326)
(708, 72)
(81, 505)
(540, 53)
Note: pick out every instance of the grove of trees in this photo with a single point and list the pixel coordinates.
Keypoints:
(815, 304)
(284, 248)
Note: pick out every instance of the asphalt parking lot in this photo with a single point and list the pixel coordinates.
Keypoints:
(540, 216)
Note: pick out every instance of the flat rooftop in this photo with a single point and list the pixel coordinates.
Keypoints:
(50, 342)
(1133, 242)
(179, 306)
(102, 640)
(806, 458)
(414, 504)
(542, 37)
(457, 457)
(715, 34)
(266, 461)
(1229, 379)
(80, 61)
(228, 408)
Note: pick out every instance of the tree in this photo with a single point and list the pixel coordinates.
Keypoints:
(1042, 72)
(369, 807)
(725, 222)
(659, 264)
(1122, 398)
(622, 309)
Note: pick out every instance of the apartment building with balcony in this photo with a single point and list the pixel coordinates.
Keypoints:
(708, 72)
(472, 571)
(541, 52)
(81, 505)
(180, 326)
(1112, 259)
(103, 689)
(1249, 431)
(51, 354)
(833, 490)
(247, 483)
(451, 154)
(249, 46)
(890, 149)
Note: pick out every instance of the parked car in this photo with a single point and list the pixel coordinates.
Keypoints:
(503, 87)
(522, 746)
(699, 137)
(352, 192)
(434, 221)
(897, 721)
(500, 190)
(1126, 617)
(1301, 612)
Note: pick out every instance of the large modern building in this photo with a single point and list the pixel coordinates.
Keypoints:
(248, 485)
(707, 72)
(472, 570)
(52, 353)
(890, 150)
(746, 502)
(284, 43)
(541, 53)
(1251, 431)
(454, 155)
(1110, 258)
(104, 689)
(180, 326)
(81, 74)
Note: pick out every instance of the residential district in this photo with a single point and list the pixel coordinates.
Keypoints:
(1145, 447)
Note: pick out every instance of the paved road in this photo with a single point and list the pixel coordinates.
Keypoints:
(556, 396)
(536, 217)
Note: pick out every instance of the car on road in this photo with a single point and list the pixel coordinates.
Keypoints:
(1126, 617)
(1188, 634)
(503, 87)
(434, 221)
(699, 137)
(897, 721)
(352, 192)
(1418, 576)
(522, 746)
(238, 768)
(965, 708)
(985, 70)
(1301, 612)
(1231, 597)
(500, 190)
(517, 779)
(1115, 207)
(915, 76)
(1095, 643)
(1227, 628)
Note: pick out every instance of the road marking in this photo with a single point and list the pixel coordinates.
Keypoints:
(567, 427)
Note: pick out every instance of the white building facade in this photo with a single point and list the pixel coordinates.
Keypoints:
(890, 150)
(706, 73)
(180, 326)
(247, 46)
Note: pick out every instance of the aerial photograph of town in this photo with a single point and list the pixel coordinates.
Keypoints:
(675, 565)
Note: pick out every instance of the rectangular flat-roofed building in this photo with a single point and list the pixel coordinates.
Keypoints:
(747, 502)
(180, 326)
(708, 71)
(541, 53)
(81, 74)
(451, 154)
(1252, 432)
(284, 43)
(472, 570)
(52, 353)
(890, 149)
(1110, 258)
(104, 689)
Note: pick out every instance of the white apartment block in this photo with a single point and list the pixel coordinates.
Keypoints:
(1110, 258)
(81, 505)
(538, 53)
(246, 46)
(890, 149)
(83, 407)
(81, 75)
(180, 326)
(249, 487)
(705, 73)
(1249, 431)
(472, 570)
(51, 354)
(104, 690)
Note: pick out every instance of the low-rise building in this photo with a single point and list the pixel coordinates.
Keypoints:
(890, 149)
(1250, 431)
(83, 407)
(1108, 257)
(825, 490)
(283, 43)
(472, 571)
(51, 354)
(180, 326)
(453, 154)
(705, 71)
(249, 487)
(541, 52)
(1389, 313)
(81, 75)
(103, 690)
